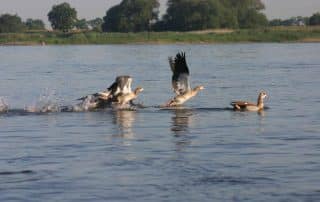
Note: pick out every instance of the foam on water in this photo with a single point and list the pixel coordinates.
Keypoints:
(89, 103)
(50, 102)
(4, 107)
(47, 102)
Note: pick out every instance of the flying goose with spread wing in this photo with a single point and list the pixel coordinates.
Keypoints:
(180, 81)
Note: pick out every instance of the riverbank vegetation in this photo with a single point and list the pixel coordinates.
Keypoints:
(274, 34)
(138, 21)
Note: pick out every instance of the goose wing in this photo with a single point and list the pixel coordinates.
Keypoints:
(242, 104)
(122, 84)
(103, 95)
(180, 77)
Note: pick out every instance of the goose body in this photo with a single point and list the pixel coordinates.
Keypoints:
(121, 86)
(249, 106)
(125, 98)
(180, 99)
(180, 81)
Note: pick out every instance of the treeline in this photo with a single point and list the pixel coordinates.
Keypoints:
(297, 21)
(143, 15)
(62, 17)
(13, 23)
(184, 15)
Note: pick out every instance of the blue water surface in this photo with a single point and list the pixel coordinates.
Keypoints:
(202, 152)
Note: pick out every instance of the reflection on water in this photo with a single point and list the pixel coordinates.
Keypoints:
(124, 119)
(262, 113)
(181, 119)
(257, 119)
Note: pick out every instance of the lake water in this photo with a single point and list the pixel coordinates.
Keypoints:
(200, 153)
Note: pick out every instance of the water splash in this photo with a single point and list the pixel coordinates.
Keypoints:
(89, 103)
(4, 107)
(47, 102)
(92, 103)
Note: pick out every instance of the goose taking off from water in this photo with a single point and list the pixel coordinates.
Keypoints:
(249, 106)
(125, 98)
(180, 81)
(121, 85)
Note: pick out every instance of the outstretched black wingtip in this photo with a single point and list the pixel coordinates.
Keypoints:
(180, 64)
(181, 55)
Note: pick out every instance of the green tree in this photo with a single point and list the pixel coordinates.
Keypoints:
(62, 17)
(252, 19)
(81, 24)
(184, 15)
(275, 22)
(248, 13)
(11, 23)
(131, 16)
(96, 24)
(315, 19)
(35, 24)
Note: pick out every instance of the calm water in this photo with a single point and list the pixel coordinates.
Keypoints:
(200, 153)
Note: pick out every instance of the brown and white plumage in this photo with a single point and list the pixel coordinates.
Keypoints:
(125, 98)
(180, 77)
(121, 85)
(182, 98)
(249, 106)
(180, 81)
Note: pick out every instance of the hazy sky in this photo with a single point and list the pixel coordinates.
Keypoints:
(96, 8)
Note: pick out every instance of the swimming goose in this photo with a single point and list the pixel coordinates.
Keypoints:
(125, 98)
(248, 106)
(180, 81)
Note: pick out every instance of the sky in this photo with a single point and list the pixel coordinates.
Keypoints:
(90, 9)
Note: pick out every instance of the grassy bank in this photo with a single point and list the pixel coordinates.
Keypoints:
(275, 34)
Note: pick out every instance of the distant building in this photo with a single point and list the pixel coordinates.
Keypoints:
(294, 21)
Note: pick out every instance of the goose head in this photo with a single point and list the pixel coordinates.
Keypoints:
(263, 95)
(138, 90)
(199, 88)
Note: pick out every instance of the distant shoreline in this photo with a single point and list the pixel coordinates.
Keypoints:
(218, 36)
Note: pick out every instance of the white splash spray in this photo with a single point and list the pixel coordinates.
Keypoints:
(89, 103)
(47, 102)
(4, 107)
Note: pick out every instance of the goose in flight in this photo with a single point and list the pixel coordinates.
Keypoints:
(249, 106)
(180, 81)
